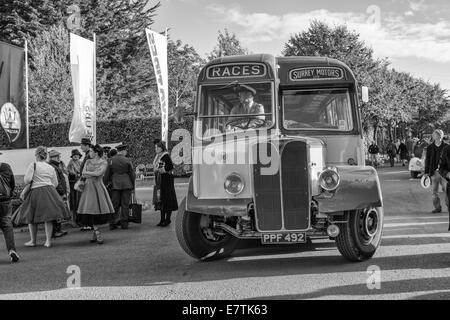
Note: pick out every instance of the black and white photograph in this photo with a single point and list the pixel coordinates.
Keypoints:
(237, 153)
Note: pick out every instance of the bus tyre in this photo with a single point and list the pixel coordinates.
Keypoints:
(360, 237)
(190, 230)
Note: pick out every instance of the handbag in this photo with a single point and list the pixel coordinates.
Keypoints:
(79, 185)
(135, 210)
(27, 189)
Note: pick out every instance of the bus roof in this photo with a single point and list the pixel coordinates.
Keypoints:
(301, 70)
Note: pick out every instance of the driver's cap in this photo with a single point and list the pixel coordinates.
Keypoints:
(243, 88)
(425, 181)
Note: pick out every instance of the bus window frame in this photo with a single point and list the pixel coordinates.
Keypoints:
(199, 115)
(356, 130)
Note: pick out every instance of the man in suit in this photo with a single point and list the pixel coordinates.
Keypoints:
(121, 176)
(434, 152)
(444, 171)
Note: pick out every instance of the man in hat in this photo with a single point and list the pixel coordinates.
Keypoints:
(433, 156)
(121, 176)
(247, 106)
(61, 188)
(7, 185)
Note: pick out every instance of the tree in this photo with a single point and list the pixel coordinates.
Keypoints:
(125, 83)
(50, 86)
(228, 45)
(184, 65)
(19, 20)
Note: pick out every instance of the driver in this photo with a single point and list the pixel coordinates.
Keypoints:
(247, 106)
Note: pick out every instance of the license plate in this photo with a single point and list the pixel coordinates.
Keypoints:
(293, 237)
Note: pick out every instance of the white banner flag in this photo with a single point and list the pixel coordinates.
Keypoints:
(158, 50)
(82, 64)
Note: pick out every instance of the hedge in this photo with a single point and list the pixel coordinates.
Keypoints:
(138, 134)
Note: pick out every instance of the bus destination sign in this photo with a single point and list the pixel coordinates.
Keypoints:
(236, 70)
(318, 73)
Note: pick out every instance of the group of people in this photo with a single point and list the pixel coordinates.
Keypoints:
(401, 151)
(93, 188)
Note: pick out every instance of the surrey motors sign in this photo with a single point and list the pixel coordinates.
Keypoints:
(317, 73)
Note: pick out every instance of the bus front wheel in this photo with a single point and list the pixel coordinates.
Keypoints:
(197, 237)
(360, 237)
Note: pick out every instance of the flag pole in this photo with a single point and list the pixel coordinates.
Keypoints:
(95, 91)
(26, 95)
(167, 123)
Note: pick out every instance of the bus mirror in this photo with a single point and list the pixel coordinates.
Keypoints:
(365, 94)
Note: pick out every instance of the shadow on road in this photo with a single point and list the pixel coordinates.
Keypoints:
(387, 287)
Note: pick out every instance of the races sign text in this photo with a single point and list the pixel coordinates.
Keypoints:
(246, 70)
(324, 73)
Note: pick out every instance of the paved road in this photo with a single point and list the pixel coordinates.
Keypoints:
(146, 262)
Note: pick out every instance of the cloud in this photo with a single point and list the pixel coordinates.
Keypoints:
(394, 37)
(417, 5)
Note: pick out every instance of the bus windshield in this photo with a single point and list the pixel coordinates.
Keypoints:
(236, 106)
(328, 109)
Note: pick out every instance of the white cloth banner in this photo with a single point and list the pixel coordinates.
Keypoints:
(158, 50)
(82, 64)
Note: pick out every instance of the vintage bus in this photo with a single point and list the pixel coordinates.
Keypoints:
(278, 156)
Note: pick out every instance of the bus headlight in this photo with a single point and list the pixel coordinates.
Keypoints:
(329, 179)
(234, 184)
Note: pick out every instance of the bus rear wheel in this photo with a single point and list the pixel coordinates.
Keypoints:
(360, 237)
(198, 238)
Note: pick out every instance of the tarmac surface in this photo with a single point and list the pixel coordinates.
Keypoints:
(146, 261)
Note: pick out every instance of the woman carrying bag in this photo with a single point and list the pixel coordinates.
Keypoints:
(164, 196)
(42, 204)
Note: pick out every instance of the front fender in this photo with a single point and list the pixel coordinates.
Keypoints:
(215, 207)
(359, 188)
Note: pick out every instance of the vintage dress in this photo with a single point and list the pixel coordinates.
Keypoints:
(95, 199)
(165, 183)
(43, 204)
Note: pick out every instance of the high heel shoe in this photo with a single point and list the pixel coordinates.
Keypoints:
(99, 237)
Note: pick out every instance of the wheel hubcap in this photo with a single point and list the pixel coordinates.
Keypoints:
(369, 223)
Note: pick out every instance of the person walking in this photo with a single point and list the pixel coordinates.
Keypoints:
(164, 196)
(444, 172)
(74, 170)
(42, 204)
(373, 151)
(61, 188)
(392, 152)
(403, 151)
(94, 200)
(397, 145)
(122, 178)
(432, 159)
(7, 186)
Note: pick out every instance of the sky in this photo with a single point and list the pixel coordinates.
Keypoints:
(413, 34)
